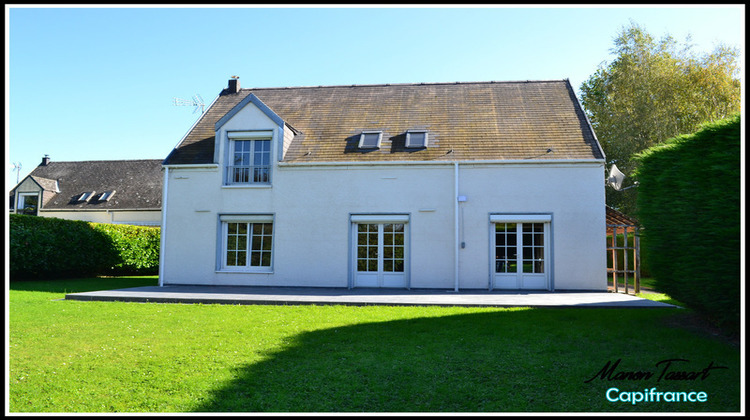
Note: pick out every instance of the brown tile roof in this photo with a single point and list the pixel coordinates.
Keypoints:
(465, 121)
(138, 183)
(46, 184)
(615, 217)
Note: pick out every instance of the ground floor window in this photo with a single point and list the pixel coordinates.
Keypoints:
(247, 243)
(28, 204)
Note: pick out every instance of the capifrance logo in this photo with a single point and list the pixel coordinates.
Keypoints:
(652, 395)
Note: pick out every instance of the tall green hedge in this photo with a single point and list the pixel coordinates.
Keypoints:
(43, 247)
(689, 205)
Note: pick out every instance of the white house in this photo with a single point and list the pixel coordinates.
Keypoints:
(101, 191)
(490, 185)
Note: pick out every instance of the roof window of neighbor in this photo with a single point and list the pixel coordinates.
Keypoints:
(85, 196)
(416, 139)
(370, 139)
(106, 195)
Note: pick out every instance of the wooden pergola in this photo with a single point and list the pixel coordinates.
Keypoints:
(625, 252)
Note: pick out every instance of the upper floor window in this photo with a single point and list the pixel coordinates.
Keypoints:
(249, 158)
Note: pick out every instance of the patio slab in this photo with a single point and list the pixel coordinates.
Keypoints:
(253, 295)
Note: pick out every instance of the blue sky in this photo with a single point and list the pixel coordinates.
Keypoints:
(86, 83)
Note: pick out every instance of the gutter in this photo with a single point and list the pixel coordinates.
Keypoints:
(444, 163)
(190, 165)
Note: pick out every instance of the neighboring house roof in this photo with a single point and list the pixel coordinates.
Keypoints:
(137, 184)
(615, 217)
(464, 121)
(46, 184)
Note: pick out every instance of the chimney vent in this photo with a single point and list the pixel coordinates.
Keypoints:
(45, 160)
(234, 84)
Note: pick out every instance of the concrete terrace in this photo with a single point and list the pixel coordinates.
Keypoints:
(255, 295)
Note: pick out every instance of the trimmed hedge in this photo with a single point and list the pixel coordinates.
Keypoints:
(137, 246)
(44, 247)
(689, 206)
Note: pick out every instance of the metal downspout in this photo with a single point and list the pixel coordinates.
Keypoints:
(456, 225)
(162, 233)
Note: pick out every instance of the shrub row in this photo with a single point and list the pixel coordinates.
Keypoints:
(43, 247)
(689, 206)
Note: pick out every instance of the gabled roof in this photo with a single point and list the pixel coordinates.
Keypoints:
(465, 121)
(45, 184)
(138, 184)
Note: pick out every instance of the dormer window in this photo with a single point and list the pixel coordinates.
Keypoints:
(416, 139)
(249, 157)
(370, 139)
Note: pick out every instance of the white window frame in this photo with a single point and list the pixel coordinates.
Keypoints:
(20, 201)
(381, 277)
(250, 220)
(362, 140)
(253, 137)
(416, 145)
(548, 259)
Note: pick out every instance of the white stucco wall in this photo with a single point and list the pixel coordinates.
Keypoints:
(312, 206)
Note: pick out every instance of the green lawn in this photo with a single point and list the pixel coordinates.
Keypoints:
(73, 356)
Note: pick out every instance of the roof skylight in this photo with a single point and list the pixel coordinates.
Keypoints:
(85, 196)
(106, 195)
(416, 138)
(370, 139)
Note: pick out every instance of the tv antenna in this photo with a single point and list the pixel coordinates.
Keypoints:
(195, 101)
(17, 168)
(615, 179)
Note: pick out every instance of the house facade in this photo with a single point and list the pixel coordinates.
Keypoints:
(492, 185)
(104, 191)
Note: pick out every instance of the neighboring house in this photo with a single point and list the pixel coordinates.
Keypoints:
(491, 185)
(104, 191)
(619, 220)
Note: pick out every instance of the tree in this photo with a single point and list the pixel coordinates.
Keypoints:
(653, 91)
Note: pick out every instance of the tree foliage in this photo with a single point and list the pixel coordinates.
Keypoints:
(653, 91)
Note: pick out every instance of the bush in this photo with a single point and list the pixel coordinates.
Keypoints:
(137, 246)
(689, 206)
(43, 247)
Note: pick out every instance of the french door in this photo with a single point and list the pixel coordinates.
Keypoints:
(521, 255)
(379, 254)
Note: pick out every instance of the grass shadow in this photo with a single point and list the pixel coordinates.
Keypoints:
(532, 360)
